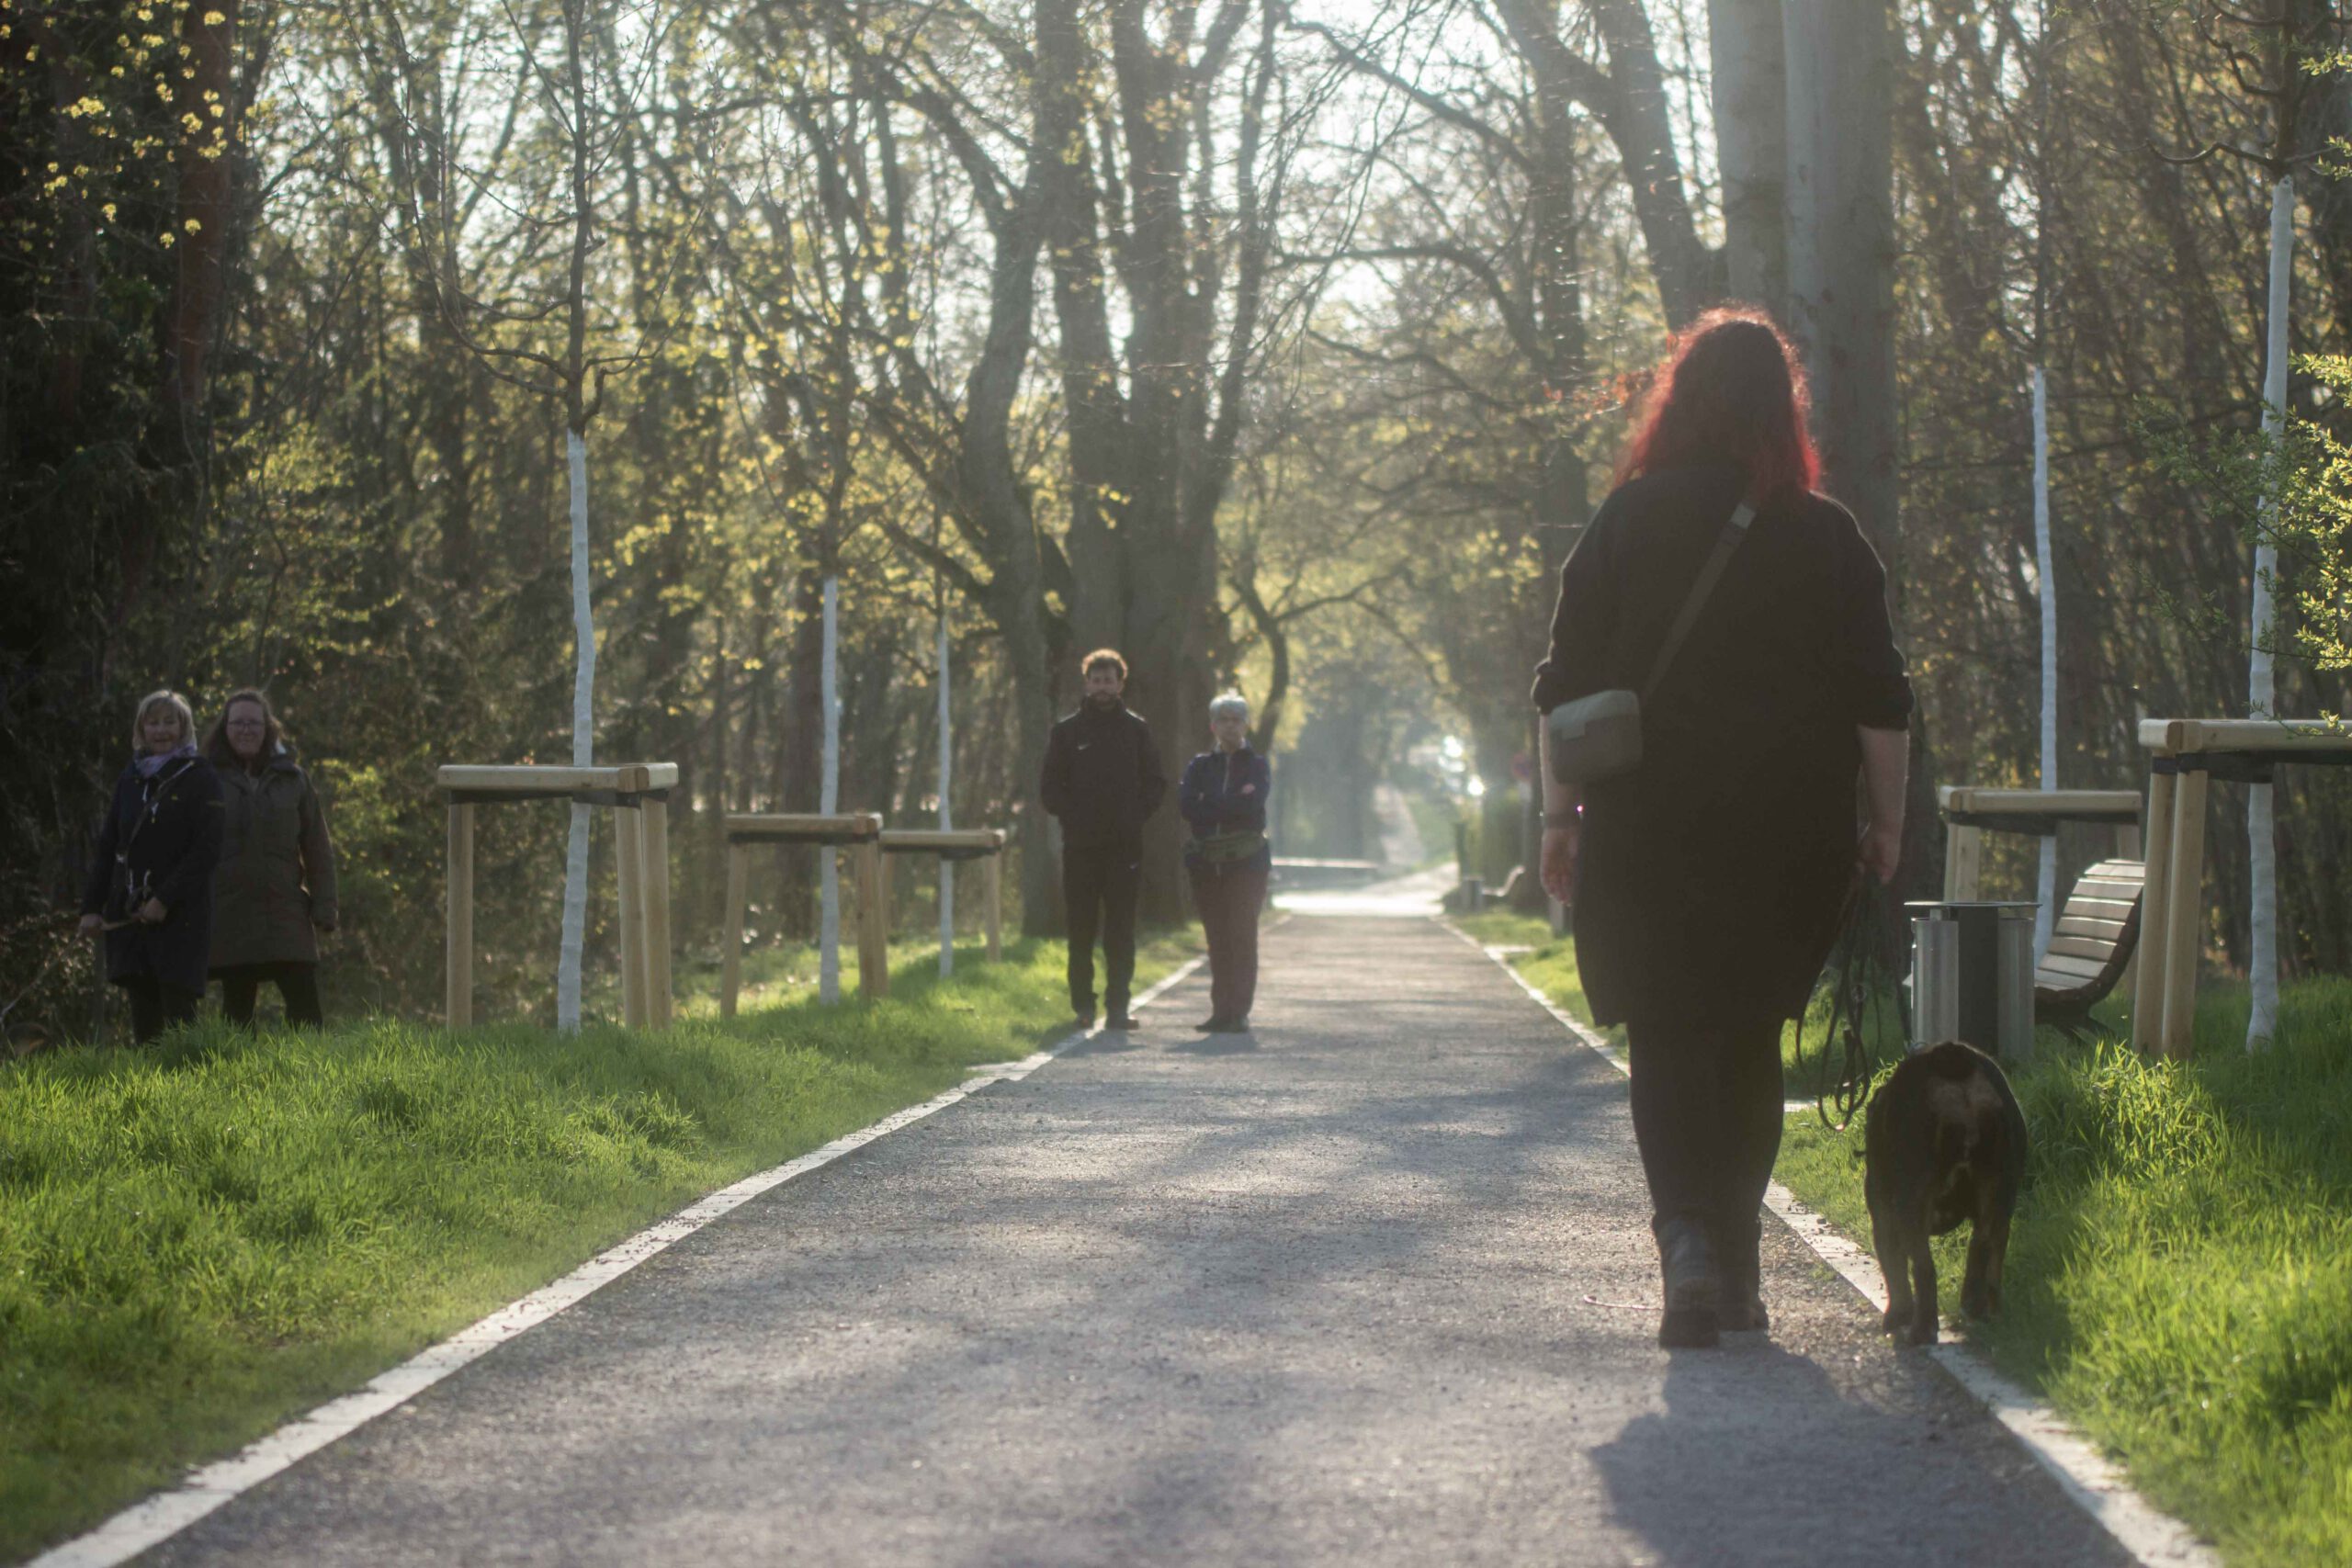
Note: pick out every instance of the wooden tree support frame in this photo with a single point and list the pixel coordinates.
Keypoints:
(638, 795)
(2184, 756)
(1970, 813)
(860, 832)
(983, 844)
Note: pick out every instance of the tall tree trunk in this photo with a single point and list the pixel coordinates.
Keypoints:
(1842, 245)
(2261, 826)
(1747, 52)
(199, 236)
(1840, 57)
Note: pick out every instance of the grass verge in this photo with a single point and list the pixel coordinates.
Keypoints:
(2180, 1277)
(201, 1240)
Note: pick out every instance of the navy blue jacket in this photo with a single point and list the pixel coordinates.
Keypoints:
(166, 832)
(1225, 792)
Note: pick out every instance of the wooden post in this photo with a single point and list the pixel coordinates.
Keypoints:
(873, 921)
(1951, 859)
(739, 890)
(993, 904)
(628, 841)
(2156, 910)
(459, 997)
(657, 913)
(2184, 903)
(1965, 867)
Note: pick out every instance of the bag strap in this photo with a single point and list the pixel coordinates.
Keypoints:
(1734, 532)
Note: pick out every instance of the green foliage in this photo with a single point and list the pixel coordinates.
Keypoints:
(2292, 492)
(198, 1240)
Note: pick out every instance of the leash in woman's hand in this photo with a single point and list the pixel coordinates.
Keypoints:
(1863, 978)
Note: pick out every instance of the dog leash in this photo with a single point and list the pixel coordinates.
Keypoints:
(1863, 978)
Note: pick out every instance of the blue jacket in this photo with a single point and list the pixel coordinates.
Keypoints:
(1226, 792)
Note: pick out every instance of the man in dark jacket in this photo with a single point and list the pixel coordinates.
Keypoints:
(1103, 779)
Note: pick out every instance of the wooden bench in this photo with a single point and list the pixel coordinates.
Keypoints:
(2091, 945)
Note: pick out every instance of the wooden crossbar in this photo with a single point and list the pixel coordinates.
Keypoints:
(634, 791)
(2090, 804)
(1974, 810)
(942, 841)
(530, 779)
(802, 827)
(2178, 736)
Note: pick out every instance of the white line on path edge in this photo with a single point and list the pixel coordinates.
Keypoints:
(166, 1514)
(2094, 1482)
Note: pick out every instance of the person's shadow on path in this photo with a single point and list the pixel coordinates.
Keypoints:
(1240, 1045)
(1760, 1458)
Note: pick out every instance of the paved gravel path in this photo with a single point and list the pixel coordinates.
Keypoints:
(1372, 1287)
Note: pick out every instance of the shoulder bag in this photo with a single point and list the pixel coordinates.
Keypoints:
(1600, 737)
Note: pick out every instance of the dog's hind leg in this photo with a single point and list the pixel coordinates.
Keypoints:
(1976, 1285)
(1923, 1287)
(1988, 1253)
(1893, 1266)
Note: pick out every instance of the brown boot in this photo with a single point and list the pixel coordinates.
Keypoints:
(1692, 1292)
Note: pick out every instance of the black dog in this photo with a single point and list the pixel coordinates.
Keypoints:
(1946, 1143)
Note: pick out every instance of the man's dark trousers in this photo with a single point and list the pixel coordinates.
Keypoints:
(1099, 884)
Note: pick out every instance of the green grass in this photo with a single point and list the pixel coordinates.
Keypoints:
(2179, 1279)
(200, 1240)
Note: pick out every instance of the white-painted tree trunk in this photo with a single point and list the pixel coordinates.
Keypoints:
(946, 813)
(829, 925)
(2262, 844)
(584, 740)
(2046, 881)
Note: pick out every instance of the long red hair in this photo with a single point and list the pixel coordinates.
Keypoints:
(1732, 388)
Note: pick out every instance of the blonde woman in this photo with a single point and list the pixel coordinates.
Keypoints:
(150, 890)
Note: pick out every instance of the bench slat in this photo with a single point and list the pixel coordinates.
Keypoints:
(2092, 929)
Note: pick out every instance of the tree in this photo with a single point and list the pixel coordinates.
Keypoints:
(543, 349)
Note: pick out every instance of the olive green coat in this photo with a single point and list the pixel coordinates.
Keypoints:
(275, 880)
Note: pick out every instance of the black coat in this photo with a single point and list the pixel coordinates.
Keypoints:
(1102, 777)
(1709, 879)
(162, 840)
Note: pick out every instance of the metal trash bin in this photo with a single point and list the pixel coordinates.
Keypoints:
(1972, 975)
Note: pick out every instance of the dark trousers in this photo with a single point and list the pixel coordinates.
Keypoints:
(1099, 884)
(156, 1006)
(296, 982)
(1228, 898)
(1707, 1115)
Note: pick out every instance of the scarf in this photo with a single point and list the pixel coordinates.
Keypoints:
(152, 762)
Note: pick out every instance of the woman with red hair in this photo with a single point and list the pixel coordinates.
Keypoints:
(1706, 882)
